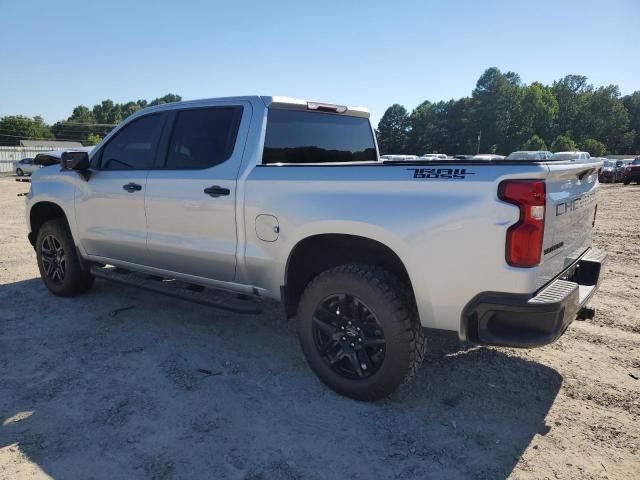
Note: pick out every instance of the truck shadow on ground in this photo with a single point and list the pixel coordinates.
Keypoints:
(121, 383)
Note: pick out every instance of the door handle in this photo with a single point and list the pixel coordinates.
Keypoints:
(217, 191)
(132, 187)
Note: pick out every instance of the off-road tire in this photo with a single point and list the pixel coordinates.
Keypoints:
(391, 301)
(627, 182)
(75, 280)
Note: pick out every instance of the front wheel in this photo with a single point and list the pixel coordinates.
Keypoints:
(19, 172)
(359, 331)
(58, 260)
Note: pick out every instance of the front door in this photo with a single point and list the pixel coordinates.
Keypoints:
(191, 194)
(110, 210)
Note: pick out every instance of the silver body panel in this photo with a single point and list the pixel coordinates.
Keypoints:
(449, 233)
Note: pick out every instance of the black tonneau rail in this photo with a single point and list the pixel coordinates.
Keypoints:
(418, 163)
(463, 162)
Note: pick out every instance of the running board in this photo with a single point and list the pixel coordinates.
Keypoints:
(220, 299)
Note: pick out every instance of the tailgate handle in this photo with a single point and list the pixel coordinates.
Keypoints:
(584, 173)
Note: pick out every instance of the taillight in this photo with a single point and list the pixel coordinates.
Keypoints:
(524, 238)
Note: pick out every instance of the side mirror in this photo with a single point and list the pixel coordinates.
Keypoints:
(75, 161)
(78, 161)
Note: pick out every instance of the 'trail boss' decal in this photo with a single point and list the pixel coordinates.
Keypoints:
(452, 173)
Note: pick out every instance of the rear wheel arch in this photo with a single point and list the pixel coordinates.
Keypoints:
(318, 253)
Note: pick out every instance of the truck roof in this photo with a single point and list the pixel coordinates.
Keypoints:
(274, 101)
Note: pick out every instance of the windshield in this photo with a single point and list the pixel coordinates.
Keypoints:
(609, 163)
(636, 162)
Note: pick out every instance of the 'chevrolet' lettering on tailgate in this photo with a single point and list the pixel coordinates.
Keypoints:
(575, 204)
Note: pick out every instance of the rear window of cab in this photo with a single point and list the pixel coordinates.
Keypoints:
(301, 137)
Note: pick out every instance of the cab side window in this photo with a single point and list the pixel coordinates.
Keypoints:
(133, 147)
(203, 137)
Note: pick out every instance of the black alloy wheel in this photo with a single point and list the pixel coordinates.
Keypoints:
(60, 266)
(54, 260)
(348, 336)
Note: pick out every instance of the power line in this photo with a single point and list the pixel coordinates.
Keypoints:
(68, 133)
(22, 137)
(59, 133)
(91, 124)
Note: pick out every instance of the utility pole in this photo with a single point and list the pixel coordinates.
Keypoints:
(479, 137)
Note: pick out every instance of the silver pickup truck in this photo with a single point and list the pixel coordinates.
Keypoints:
(288, 199)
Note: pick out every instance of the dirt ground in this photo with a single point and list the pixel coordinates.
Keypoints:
(169, 389)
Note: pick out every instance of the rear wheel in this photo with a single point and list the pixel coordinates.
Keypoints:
(19, 172)
(359, 331)
(58, 260)
(627, 181)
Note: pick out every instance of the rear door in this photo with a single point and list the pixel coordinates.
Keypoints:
(110, 205)
(191, 195)
(572, 196)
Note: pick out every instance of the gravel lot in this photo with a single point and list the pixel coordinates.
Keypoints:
(169, 389)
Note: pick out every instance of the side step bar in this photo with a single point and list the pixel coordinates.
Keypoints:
(220, 299)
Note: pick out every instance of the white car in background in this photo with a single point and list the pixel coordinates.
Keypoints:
(25, 167)
(488, 156)
(398, 158)
(434, 156)
(571, 156)
(530, 155)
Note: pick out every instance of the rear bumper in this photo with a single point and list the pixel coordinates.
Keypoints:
(520, 320)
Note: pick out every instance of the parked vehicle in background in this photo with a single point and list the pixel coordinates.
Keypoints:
(398, 158)
(463, 157)
(25, 167)
(287, 199)
(570, 156)
(612, 171)
(434, 156)
(488, 156)
(54, 156)
(607, 174)
(530, 155)
(621, 165)
(632, 172)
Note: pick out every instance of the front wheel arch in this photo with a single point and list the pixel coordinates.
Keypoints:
(40, 213)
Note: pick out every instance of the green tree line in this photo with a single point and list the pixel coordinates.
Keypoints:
(84, 125)
(503, 115)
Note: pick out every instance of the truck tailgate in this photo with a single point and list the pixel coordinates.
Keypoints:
(572, 195)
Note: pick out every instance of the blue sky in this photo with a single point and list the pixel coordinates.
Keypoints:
(56, 55)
